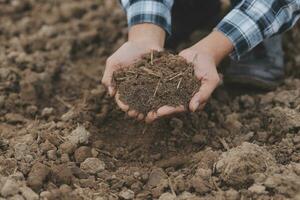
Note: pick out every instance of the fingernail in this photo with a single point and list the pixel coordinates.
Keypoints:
(110, 91)
(196, 106)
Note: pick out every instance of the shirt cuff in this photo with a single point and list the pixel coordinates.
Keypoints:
(154, 12)
(242, 31)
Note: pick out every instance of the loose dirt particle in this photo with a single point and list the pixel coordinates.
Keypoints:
(158, 79)
(62, 174)
(92, 165)
(126, 194)
(82, 153)
(37, 176)
(28, 193)
(167, 196)
(10, 187)
(79, 136)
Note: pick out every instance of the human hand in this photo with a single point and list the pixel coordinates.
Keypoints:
(143, 38)
(205, 55)
(206, 72)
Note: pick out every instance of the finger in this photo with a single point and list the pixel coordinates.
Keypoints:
(151, 116)
(123, 106)
(107, 79)
(201, 107)
(132, 113)
(111, 91)
(108, 76)
(202, 96)
(168, 110)
(140, 117)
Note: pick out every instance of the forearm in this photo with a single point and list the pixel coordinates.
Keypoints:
(156, 12)
(216, 45)
(148, 34)
(252, 21)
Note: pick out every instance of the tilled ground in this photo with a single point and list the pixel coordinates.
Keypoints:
(62, 137)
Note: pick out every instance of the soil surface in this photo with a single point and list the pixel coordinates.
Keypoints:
(158, 79)
(62, 137)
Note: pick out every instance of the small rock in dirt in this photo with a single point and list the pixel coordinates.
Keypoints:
(92, 165)
(79, 173)
(232, 123)
(37, 175)
(126, 194)
(167, 196)
(67, 147)
(237, 166)
(28, 193)
(232, 194)
(98, 144)
(262, 136)
(155, 177)
(296, 168)
(136, 187)
(65, 189)
(45, 195)
(10, 187)
(79, 136)
(175, 161)
(2, 100)
(247, 101)
(94, 152)
(31, 110)
(62, 174)
(204, 173)
(21, 149)
(14, 118)
(286, 183)
(200, 185)
(65, 158)
(187, 196)
(82, 153)
(47, 112)
(206, 159)
(199, 139)
(15, 197)
(71, 114)
(51, 154)
(283, 119)
(18, 176)
(258, 189)
(296, 139)
(46, 146)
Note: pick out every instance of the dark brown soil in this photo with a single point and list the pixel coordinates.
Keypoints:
(158, 79)
(62, 137)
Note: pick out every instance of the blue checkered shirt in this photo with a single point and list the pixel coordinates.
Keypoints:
(246, 25)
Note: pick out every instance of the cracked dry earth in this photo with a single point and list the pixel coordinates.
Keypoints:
(62, 137)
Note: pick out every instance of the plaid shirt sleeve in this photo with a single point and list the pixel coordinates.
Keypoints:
(149, 11)
(251, 21)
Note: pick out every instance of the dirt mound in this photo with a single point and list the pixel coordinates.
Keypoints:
(238, 165)
(158, 79)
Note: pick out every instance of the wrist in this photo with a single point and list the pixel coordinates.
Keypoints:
(216, 45)
(151, 35)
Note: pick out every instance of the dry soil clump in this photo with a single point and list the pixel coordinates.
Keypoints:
(158, 79)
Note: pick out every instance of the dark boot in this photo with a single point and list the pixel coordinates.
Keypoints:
(262, 68)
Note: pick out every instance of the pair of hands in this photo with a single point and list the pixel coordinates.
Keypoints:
(204, 68)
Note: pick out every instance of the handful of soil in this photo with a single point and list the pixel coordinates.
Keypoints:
(156, 80)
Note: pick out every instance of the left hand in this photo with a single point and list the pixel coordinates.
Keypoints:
(205, 70)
